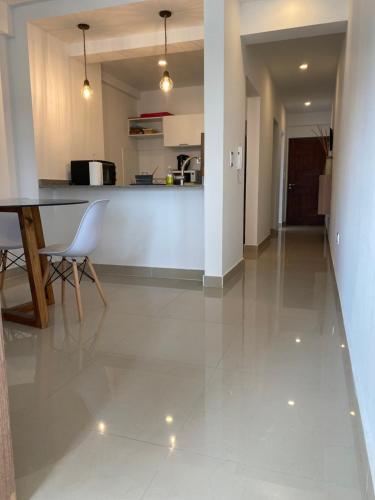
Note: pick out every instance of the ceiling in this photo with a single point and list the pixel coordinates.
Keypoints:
(143, 73)
(295, 87)
(19, 2)
(16, 2)
(130, 19)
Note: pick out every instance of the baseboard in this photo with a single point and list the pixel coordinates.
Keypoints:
(17, 275)
(255, 251)
(367, 481)
(221, 281)
(105, 270)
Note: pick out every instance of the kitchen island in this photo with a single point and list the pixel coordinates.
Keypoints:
(146, 228)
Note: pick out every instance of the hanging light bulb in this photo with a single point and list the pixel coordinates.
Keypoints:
(166, 83)
(86, 90)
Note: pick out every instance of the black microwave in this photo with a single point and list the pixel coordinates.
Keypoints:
(80, 172)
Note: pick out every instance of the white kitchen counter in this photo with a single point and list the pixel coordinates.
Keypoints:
(145, 226)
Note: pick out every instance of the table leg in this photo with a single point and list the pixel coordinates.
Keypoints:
(41, 244)
(30, 245)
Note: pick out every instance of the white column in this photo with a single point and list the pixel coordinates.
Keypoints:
(7, 165)
(225, 104)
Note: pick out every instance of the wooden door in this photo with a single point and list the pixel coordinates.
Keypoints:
(306, 164)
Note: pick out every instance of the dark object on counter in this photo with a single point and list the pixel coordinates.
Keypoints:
(80, 172)
(190, 177)
(144, 179)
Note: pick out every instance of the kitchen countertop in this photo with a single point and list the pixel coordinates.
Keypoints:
(52, 184)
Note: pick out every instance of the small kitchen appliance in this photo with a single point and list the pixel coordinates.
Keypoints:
(92, 172)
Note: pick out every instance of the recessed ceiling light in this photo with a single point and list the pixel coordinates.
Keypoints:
(343, 346)
(308, 104)
(304, 67)
(162, 62)
(169, 419)
(352, 413)
(298, 340)
(291, 403)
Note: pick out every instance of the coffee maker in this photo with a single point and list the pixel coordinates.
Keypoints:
(180, 160)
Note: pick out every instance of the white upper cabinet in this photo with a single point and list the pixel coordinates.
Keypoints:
(183, 130)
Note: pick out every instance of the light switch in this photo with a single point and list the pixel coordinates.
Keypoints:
(231, 159)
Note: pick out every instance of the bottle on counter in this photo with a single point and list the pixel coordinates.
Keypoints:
(169, 181)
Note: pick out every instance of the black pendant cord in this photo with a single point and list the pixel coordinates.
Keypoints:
(165, 37)
(84, 51)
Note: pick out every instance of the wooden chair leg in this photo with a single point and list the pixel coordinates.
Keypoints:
(46, 276)
(78, 290)
(63, 268)
(97, 282)
(3, 263)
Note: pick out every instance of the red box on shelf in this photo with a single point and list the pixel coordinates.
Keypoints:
(156, 115)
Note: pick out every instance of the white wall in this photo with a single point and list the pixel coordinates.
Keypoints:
(180, 101)
(279, 19)
(304, 124)
(252, 172)
(8, 184)
(260, 221)
(5, 18)
(119, 147)
(66, 126)
(145, 227)
(353, 206)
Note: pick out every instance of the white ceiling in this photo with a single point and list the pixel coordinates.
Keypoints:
(143, 73)
(317, 84)
(18, 2)
(15, 2)
(130, 19)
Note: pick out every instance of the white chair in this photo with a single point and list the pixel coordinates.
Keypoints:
(10, 239)
(84, 243)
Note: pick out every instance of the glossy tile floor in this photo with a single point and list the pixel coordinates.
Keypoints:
(177, 393)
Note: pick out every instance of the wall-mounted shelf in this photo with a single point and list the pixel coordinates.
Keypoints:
(148, 119)
(143, 136)
(153, 122)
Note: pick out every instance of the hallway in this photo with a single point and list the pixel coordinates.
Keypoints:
(180, 393)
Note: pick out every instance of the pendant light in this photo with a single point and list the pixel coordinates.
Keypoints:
(166, 83)
(86, 91)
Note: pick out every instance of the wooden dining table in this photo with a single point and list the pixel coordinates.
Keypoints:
(34, 313)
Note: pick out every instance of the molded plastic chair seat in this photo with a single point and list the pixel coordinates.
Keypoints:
(10, 239)
(10, 233)
(57, 250)
(7, 244)
(83, 244)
